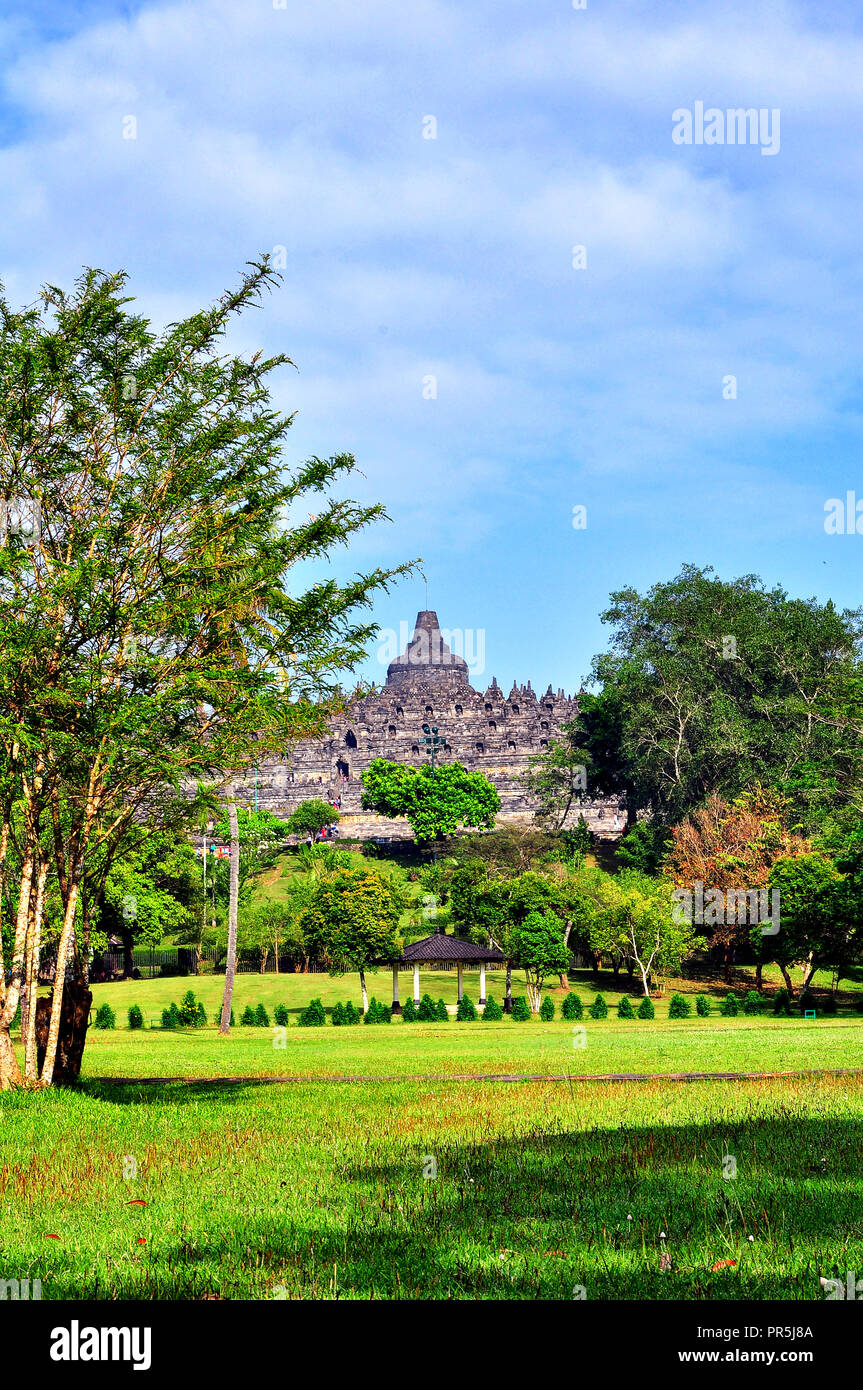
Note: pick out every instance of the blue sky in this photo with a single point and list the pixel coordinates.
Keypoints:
(409, 258)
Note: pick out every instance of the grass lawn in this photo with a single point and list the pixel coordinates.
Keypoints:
(319, 1192)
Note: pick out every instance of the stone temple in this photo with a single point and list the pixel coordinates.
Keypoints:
(489, 732)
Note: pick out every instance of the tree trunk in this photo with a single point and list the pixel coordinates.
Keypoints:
(28, 1027)
(758, 972)
(787, 978)
(365, 993)
(74, 1017)
(10, 1072)
(63, 951)
(507, 1003)
(233, 902)
(128, 947)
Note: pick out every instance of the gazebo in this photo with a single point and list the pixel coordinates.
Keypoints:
(441, 949)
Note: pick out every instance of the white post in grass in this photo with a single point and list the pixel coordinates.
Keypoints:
(397, 1008)
(416, 984)
(482, 982)
(459, 969)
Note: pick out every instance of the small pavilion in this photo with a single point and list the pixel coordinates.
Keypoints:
(441, 949)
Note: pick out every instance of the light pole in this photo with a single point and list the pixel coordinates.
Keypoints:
(433, 742)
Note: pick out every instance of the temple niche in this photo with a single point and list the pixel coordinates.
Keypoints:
(487, 732)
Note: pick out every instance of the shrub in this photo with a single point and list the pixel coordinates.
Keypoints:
(352, 1013)
(730, 1006)
(171, 1017)
(441, 1012)
(136, 1018)
(280, 1015)
(217, 1018)
(201, 1021)
(493, 1011)
(313, 1015)
(782, 1002)
(338, 1015)
(262, 1018)
(828, 1004)
(806, 1001)
(645, 1008)
(426, 1011)
(752, 1003)
(520, 1009)
(679, 1006)
(466, 1011)
(546, 1009)
(624, 1008)
(409, 1011)
(247, 1017)
(572, 1006)
(105, 1017)
(702, 1006)
(599, 1008)
(377, 1013)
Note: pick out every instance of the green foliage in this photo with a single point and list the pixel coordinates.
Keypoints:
(645, 1008)
(546, 1009)
(409, 1011)
(782, 1002)
(643, 847)
(492, 1013)
(262, 1018)
(136, 1017)
(247, 1017)
(536, 945)
(312, 816)
(338, 1015)
(599, 1008)
(752, 1003)
(352, 1014)
(313, 1015)
(171, 1016)
(435, 803)
(679, 1006)
(466, 1011)
(377, 1012)
(190, 1014)
(572, 1006)
(352, 918)
(730, 1006)
(105, 1017)
(520, 1009)
(281, 1015)
(702, 1006)
(426, 1013)
(441, 1012)
(624, 1007)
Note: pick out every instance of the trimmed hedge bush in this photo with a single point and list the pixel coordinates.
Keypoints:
(352, 1014)
(441, 1013)
(281, 1015)
(752, 1003)
(782, 1002)
(493, 1012)
(247, 1017)
(105, 1017)
(599, 1008)
(262, 1018)
(730, 1006)
(171, 1016)
(702, 1006)
(313, 1015)
(546, 1009)
(520, 1009)
(645, 1008)
(679, 1006)
(624, 1007)
(466, 1011)
(572, 1006)
(409, 1011)
(427, 1011)
(136, 1018)
(376, 1013)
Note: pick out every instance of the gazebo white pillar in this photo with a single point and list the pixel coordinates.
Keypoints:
(397, 1008)
(416, 984)
(459, 968)
(482, 982)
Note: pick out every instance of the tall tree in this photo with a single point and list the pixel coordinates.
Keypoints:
(352, 921)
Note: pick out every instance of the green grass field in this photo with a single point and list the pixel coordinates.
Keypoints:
(328, 1191)
(542, 1188)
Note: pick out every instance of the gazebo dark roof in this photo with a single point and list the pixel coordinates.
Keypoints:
(442, 947)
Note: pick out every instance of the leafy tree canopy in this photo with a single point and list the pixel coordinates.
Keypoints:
(435, 802)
